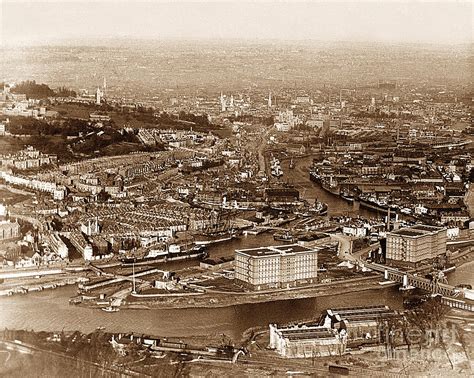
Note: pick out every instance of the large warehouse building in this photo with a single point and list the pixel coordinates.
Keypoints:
(416, 243)
(276, 266)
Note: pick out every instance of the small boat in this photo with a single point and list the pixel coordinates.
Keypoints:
(110, 309)
(464, 286)
(319, 208)
(75, 300)
(101, 328)
(347, 197)
(285, 237)
(277, 172)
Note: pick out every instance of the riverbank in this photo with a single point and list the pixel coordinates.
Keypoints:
(215, 300)
(462, 257)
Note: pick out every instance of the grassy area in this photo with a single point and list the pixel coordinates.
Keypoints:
(46, 144)
(51, 138)
(222, 284)
(9, 198)
(74, 110)
(135, 120)
(11, 145)
(59, 145)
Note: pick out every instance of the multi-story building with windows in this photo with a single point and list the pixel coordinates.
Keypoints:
(275, 266)
(82, 245)
(416, 243)
(57, 245)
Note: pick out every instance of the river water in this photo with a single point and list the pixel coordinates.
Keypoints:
(49, 310)
(462, 275)
(299, 177)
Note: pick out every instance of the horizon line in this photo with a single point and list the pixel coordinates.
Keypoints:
(78, 41)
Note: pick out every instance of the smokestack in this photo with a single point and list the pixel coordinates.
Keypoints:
(388, 219)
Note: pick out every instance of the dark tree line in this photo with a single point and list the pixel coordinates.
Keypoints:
(32, 126)
(40, 91)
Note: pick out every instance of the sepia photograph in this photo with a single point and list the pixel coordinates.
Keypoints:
(224, 188)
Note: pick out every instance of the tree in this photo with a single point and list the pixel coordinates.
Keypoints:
(103, 196)
(65, 92)
(33, 90)
(429, 317)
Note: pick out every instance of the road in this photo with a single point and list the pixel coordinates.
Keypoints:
(344, 249)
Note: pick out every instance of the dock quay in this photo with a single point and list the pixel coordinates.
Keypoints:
(113, 279)
(25, 289)
(9, 274)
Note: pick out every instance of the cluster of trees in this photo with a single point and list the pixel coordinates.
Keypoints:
(65, 92)
(200, 120)
(33, 126)
(40, 91)
(75, 352)
(33, 90)
(424, 326)
(166, 120)
(267, 121)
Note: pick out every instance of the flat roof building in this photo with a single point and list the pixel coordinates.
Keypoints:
(416, 243)
(275, 266)
(336, 329)
(307, 341)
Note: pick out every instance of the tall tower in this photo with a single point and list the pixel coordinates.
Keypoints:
(231, 101)
(270, 99)
(223, 103)
(104, 87)
(98, 95)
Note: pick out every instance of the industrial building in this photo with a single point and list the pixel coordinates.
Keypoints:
(335, 330)
(363, 325)
(307, 341)
(416, 243)
(275, 266)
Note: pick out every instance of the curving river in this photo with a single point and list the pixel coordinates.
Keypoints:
(49, 310)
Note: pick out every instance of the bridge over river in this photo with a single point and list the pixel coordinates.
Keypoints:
(450, 295)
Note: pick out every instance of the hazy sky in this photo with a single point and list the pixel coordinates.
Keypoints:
(385, 21)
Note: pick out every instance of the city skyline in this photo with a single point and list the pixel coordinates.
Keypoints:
(386, 22)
